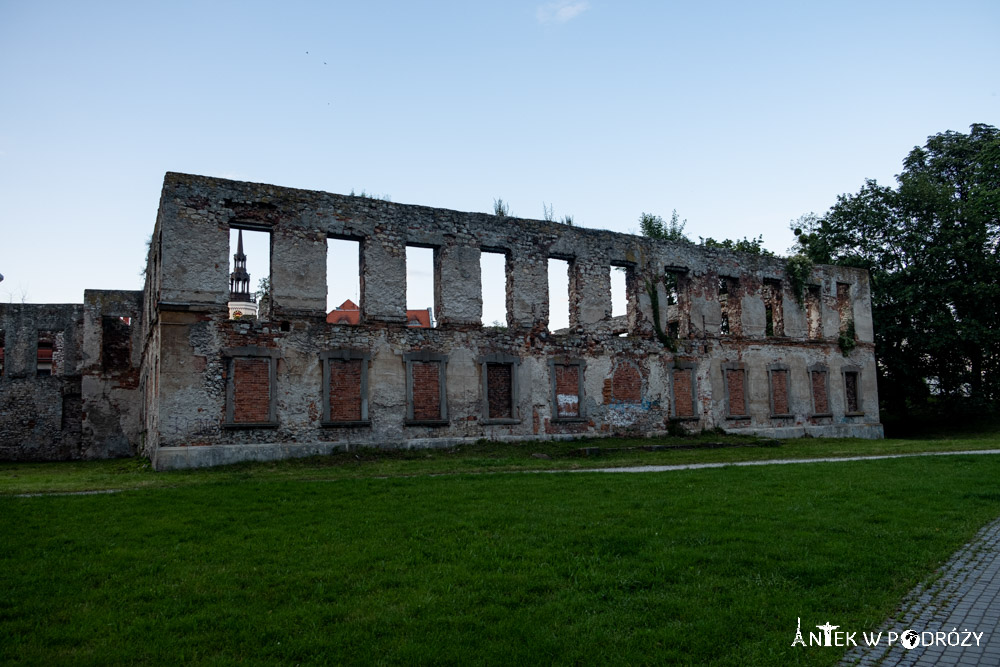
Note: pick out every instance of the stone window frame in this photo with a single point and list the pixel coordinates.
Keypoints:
(693, 367)
(581, 369)
(735, 366)
(230, 355)
(822, 368)
(788, 390)
(426, 356)
(844, 370)
(345, 354)
(515, 363)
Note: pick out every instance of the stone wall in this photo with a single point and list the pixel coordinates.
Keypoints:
(693, 315)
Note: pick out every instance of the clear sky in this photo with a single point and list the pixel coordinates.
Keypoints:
(742, 116)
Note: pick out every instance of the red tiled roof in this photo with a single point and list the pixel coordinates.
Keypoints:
(348, 313)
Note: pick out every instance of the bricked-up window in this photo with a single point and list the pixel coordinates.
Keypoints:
(780, 391)
(813, 317)
(3, 345)
(567, 388)
(820, 389)
(343, 280)
(495, 269)
(116, 343)
(852, 391)
(684, 391)
(559, 289)
(500, 388)
(72, 413)
(736, 391)
(345, 388)
(49, 356)
(426, 393)
(251, 377)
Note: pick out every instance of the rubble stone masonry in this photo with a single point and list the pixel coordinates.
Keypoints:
(157, 372)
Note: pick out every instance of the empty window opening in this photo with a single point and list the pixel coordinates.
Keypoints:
(493, 267)
(499, 391)
(773, 320)
(420, 287)
(558, 295)
(672, 286)
(619, 291)
(779, 392)
(343, 281)
(852, 392)
(49, 358)
(729, 306)
(844, 308)
(116, 343)
(813, 317)
(736, 392)
(249, 273)
(821, 404)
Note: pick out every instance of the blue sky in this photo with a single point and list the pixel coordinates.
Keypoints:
(742, 116)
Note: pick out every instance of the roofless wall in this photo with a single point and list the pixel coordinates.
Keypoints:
(710, 337)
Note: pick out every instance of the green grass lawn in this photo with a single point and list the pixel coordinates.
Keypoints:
(18, 478)
(270, 564)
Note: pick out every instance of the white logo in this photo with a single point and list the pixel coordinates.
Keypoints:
(910, 639)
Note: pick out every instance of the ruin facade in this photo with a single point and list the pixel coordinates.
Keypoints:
(711, 338)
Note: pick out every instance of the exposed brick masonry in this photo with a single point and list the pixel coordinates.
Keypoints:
(626, 384)
(251, 391)
(426, 390)
(567, 390)
(779, 392)
(498, 386)
(737, 399)
(345, 390)
(683, 401)
(820, 403)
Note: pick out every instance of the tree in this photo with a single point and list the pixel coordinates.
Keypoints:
(654, 227)
(932, 247)
(263, 295)
(752, 246)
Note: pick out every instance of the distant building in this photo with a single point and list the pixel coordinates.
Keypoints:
(349, 313)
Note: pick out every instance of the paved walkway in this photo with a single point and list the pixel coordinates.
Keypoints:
(964, 599)
(768, 462)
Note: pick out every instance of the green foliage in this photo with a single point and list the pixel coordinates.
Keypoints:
(371, 195)
(752, 246)
(847, 340)
(931, 247)
(799, 268)
(263, 295)
(668, 341)
(654, 227)
(501, 209)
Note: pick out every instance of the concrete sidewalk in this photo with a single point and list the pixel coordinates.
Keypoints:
(964, 599)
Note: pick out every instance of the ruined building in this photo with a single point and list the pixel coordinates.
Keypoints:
(711, 338)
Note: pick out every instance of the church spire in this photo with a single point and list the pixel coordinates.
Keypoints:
(239, 279)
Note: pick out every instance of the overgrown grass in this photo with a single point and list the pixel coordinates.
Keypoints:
(694, 567)
(17, 478)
